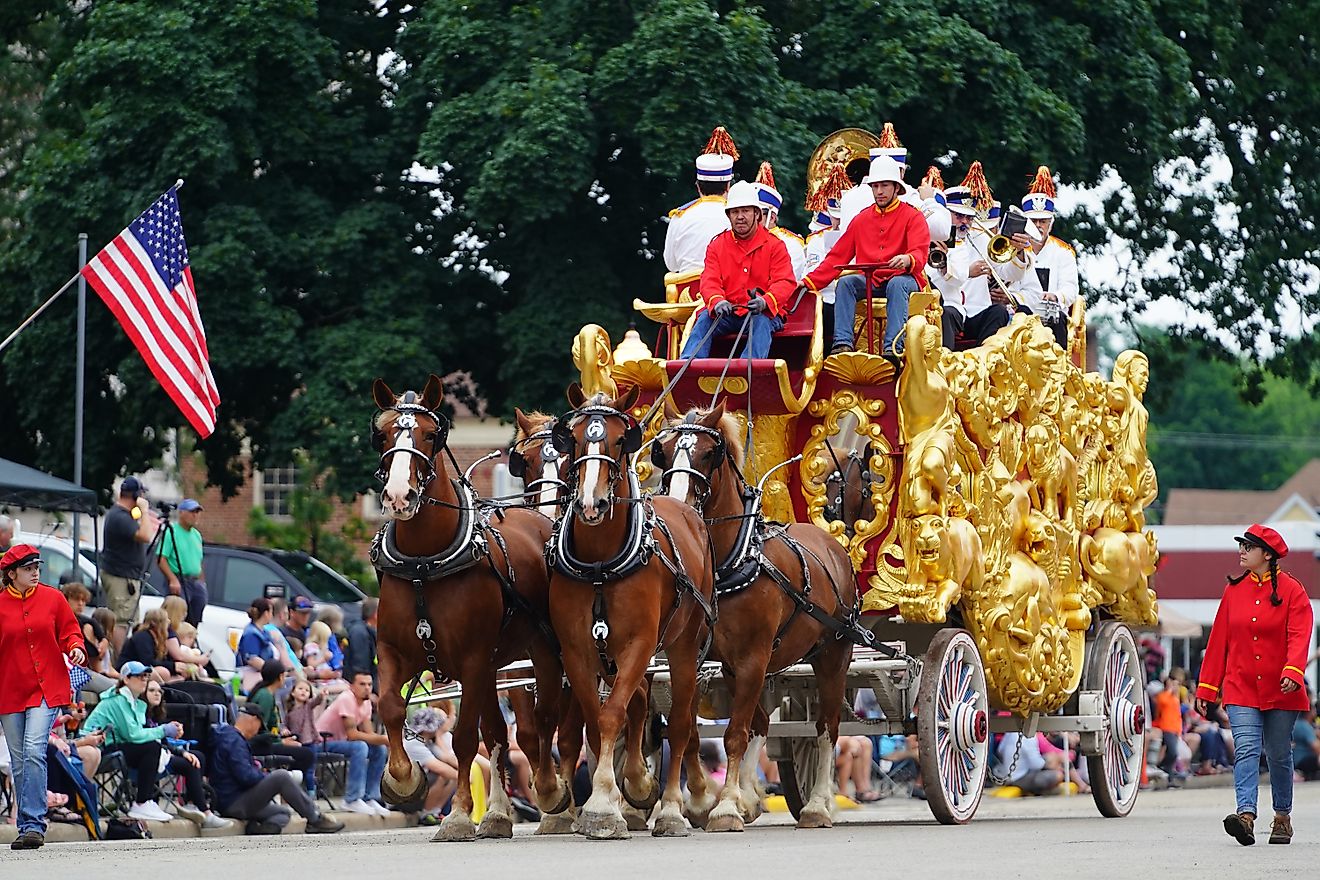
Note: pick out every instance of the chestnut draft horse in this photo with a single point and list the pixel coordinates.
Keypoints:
(460, 596)
(630, 575)
(786, 594)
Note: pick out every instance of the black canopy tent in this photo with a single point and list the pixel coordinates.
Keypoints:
(22, 486)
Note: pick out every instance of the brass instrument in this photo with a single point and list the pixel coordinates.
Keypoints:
(1004, 247)
(849, 147)
(938, 258)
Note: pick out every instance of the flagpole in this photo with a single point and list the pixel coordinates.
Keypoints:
(78, 387)
(47, 304)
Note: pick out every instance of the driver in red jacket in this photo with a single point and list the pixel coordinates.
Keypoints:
(1254, 662)
(748, 278)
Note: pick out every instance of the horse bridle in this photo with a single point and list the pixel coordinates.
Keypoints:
(687, 439)
(563, 440)
(408, 410)
(549, 456)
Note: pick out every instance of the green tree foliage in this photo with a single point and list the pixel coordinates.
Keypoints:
(566, 130)
(1204, 435)
(560, 133)
(316, 264)
(310, 510)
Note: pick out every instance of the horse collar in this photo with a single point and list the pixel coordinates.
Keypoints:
(636, 552)
(466, 549)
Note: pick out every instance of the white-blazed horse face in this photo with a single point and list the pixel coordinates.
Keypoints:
(599, 436)
(409, 435)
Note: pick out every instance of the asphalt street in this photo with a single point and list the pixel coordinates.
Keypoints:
(1170, 834)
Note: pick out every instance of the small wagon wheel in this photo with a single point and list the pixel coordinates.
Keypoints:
(797, 777)
(953, 726)
(1113, 667)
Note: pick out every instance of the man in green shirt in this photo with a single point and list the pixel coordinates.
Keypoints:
(181, 560)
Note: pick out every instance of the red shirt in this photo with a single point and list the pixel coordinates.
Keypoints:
(36, 631)
(734, 266)
(1253, 644)
(877, 235)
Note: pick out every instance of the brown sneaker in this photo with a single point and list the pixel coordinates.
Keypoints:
(1241, 826)
(1281, 831)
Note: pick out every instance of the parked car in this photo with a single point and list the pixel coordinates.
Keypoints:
(221, 626)
(236, 575)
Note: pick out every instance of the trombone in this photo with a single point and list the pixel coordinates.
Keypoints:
(1000, 251)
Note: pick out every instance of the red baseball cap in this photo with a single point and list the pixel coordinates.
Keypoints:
(1265, 538)
(19, 554)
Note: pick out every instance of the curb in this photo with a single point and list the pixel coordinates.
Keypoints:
(178, 829)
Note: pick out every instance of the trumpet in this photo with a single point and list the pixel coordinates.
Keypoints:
(939, 257)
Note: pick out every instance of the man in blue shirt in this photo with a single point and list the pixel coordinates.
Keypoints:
(243, 791)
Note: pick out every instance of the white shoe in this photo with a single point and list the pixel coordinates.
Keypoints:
(150, 811)
(362, 807)
(191, 813)
(381, 809)
(212, 822)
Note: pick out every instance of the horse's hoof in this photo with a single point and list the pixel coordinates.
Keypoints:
(698, 813)
(647, 802)
(669, 826)
(722, 819)
(456, 827)
(556, 823)
(603, 826)
(495, 825)
(565, 794)
(635, 818)
(406, 791)
(815, 818)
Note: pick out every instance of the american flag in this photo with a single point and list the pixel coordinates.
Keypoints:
(143, 277)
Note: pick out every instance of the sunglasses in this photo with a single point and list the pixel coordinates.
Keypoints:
(1244, 546)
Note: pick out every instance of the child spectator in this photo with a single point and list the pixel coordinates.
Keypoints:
(300, 713)
(110, 659)
(188, 662)
(275, 738)
(322, 664)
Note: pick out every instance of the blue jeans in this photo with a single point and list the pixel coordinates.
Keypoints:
(756, 338)
(366, 765)
(851, 288)
(1275, 727)
(27, 733)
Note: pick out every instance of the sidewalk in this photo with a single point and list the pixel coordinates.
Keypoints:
(59, 832)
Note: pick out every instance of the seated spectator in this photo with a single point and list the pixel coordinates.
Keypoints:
(1031, 771)
(87, 746)
(898, 757)
(1306, 746)
(110, 624)
(94, 636)
(322, 664)
(275, 737)
(295, 630)
(441, 768)
(188, 661)
(122, 714)
(284, 650)
(149, 646)
(243, 791)
(347, 730)
(333, 618)
(177, 759)
(852, 760)
(254, 645)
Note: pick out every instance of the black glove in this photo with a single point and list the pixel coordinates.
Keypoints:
(722, 308)
(755, 306)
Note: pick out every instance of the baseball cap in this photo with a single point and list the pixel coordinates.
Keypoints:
(250, 709)
(130, 486)
(190, 504)
(302, 603)
(133, 668)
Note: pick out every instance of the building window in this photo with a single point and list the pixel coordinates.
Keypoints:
(276, 486)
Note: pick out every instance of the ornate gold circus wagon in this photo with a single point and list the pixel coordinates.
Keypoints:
(991, 500)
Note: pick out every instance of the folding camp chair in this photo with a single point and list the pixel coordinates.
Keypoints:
(66, 776)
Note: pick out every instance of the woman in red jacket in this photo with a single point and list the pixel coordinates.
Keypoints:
(37, 631)
(1253, 664)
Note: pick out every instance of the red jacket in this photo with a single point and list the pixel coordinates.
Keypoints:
(36, 631)
(1253, 644)
(877, 236)
(733, 267)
